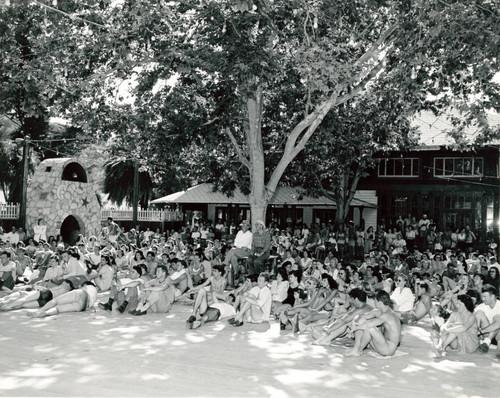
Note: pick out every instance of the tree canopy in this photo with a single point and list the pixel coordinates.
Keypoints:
(245, 84)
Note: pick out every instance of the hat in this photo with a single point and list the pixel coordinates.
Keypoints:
(245, 222)
(261, 223)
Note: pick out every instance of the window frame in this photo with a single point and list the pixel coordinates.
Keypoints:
(443, 170)
(384, 163)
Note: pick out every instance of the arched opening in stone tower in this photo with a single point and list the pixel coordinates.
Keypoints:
(74, 172)
(70, 229)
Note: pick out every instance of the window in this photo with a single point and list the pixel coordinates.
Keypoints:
(399, 167)
(458, 202)
(74, 172)
(458, 167)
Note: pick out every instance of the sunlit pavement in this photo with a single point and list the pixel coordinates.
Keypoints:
(104, 354)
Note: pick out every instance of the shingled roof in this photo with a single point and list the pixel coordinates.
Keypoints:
(203, 193)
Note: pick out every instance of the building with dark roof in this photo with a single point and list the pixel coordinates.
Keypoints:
(455, 188)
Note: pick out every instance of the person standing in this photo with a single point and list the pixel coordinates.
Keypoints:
(40, 231)
(113, 230)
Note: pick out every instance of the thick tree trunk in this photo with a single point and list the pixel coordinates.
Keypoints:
(258, 210)
(345, 194)
(259, 196)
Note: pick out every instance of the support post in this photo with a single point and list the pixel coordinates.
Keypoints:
(135, 195)
(26, 157)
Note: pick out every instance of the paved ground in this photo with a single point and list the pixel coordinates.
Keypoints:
(103, 354)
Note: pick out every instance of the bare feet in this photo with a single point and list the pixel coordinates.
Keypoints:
(316, 334)
(321, 341)
(353, 353)
(196, 324)
(438, 350)
(36, 314)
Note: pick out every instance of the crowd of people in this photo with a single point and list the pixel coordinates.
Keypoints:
(355, 287)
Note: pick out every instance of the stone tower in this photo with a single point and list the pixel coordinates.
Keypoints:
(62, 194)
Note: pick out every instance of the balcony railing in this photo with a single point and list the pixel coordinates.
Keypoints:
(9, 211)
(142, 215)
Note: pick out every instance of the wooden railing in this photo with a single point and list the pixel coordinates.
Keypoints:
(142, 215)
(9, 211)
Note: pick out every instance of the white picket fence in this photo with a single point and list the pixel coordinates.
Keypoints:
(9, 211)
(142, 215)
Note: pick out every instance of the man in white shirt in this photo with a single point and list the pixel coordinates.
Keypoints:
(218, 310)
(488, 316)
(241, 248)
(255, 304)
(13, 236)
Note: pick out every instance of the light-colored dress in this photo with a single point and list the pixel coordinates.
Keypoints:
(468, 341)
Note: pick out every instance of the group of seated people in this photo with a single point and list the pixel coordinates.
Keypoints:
(362, 302)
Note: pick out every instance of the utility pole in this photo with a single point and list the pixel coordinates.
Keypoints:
(26, 163)
(135, 195)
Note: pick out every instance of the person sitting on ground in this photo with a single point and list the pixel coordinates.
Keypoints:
(8, 270)
(303, 309)
(328, 293)
(380, 329)
(196, 268)
(402, 296)
(255, 304)
(218, 310)
(422, 306)
(450, 277)
(179, 278)
(125, 291)
(95, 257)
(53, 275)
(157, 295)
(74, 301)
(151, 262)
(325, 334)
(433, 283)
(460, 330)
(279, 287)
(71, 264)
(104, 275)
(249, 283)
(294, 278)
(449, 298)
(217, 283)
(37, 297)
(488, 316)
(479, 281)
(22, 261)
(493, 277)
(261, 246)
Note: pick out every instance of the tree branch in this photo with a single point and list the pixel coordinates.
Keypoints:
(242, 158)
(310, 122)
(70, 16)
(360, 86)
(373, 50)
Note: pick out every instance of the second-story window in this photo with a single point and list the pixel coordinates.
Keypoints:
(458, 167)
(399, 167)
